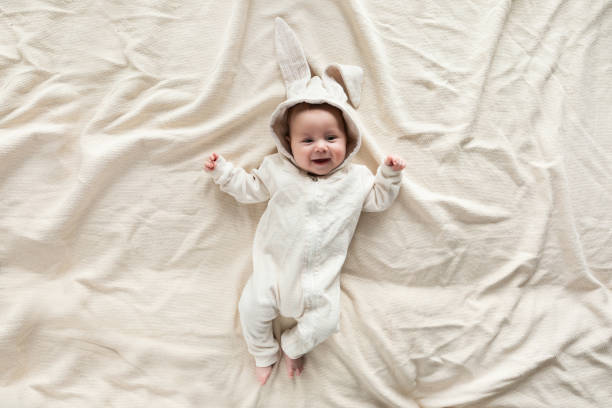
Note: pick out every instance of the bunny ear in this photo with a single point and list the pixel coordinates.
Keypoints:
(350, 77)
(289, 54)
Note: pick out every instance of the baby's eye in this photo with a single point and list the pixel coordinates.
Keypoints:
(332, 137)
(307, 141)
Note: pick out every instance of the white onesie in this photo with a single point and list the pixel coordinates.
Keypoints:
(302, 237)
(300, 246)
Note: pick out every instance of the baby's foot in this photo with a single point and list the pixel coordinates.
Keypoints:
(294, 365)
(262, 374)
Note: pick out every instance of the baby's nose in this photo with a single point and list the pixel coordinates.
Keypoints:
(321, 145)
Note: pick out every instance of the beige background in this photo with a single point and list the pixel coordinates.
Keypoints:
(487, 284)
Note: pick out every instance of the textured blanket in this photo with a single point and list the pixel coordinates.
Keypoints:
(488, 283)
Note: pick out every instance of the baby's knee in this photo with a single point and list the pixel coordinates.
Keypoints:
(328, 325)
(255, 307)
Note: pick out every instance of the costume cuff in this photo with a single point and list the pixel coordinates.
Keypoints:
(388, 172)
(222, 168)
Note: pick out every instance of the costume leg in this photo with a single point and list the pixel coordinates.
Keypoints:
(257, 310)
(313, 327)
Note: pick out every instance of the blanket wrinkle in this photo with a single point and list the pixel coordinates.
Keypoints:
(501, 157)
(460, 209)
(105, 349)
(385, 396)
(517, 271)
(376, 63)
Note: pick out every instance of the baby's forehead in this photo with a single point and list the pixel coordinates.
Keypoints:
(315, 109)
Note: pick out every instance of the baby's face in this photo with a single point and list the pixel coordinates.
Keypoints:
(317, 138)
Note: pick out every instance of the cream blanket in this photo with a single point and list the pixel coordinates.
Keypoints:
(487, 284)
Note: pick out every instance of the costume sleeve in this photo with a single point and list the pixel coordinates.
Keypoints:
(244, 187)
(385, 189)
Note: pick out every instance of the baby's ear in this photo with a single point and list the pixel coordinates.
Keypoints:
(288, 140)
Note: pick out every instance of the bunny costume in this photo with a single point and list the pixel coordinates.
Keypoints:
(302, 238)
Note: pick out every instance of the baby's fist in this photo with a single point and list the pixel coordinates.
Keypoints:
(395, 163)
(211, 162)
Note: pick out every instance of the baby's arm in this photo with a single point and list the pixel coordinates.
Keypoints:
(386, 185)
(244, 187)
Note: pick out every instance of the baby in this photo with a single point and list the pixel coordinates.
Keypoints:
(315, 196)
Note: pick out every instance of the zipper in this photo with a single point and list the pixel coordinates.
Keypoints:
(313, 244)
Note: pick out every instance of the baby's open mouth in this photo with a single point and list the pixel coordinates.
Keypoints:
(321, 161)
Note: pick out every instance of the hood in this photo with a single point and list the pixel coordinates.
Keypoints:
(338, 86)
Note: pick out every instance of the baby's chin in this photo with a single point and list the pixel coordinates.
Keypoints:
(320, 171)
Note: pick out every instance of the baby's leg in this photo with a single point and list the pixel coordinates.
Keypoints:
(314, 327)
(257, 311)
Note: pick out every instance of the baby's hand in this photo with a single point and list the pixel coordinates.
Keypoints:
(211, 162)
(395, 162)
